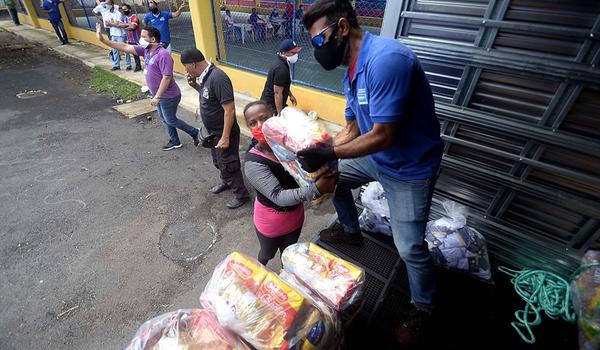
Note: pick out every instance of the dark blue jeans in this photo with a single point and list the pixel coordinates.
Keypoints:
(59, 28)
(409, 202)
(167, 111)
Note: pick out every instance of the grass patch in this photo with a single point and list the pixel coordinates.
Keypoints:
(113, 85)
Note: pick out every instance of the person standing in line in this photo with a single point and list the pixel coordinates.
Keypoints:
(159, 78)
(392, 135)
(277, 87)
(52, 9)
(160, 20)
(111, 17)
(12, 9)
(278, 208)
(217, 110)
(131, 23)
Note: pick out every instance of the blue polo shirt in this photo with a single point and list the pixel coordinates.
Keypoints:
(160, 22)
(390, 86)
(54, 15)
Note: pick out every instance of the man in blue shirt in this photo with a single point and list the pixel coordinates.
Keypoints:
(391, 135)
(160, 20)
(51, 8)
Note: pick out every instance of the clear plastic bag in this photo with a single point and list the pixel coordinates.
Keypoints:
(256, 304)
(375, 216)
(328, 332)
(294, 131)
(455, 245)
(585, 288)
(185, 329)
(339, 283)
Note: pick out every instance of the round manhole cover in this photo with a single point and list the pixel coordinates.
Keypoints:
(186, 241)
(31, 93)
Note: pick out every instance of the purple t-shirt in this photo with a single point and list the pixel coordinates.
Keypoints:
(157, 64)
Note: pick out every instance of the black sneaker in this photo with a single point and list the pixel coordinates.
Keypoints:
(410, 333)
(196, 139)
(169, 146)
(128, 68)
(336, 234)
(115, 68)
(219, 188)
(137, 69)
(236, 203)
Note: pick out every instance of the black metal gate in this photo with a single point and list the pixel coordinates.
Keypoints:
(517, 89)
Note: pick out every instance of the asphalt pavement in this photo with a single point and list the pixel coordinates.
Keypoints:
(100, 229)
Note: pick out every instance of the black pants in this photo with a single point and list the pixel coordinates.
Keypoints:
(59, 28)
(269, 246)
(14, 15)
(136, 58)
(228, 163)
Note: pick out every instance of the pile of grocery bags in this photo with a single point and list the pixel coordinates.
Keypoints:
(452, 243)
(247, 306)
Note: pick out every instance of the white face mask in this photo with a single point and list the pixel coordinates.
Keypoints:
(293, 59)
(144, 43)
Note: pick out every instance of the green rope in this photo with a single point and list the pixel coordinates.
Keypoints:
(542, 291)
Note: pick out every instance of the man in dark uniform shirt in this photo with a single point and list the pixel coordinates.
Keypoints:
(277, 87)
(217, 109)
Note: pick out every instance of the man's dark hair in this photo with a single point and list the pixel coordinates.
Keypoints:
(153, 33)
(127, 5)
(154, 2)
(333, 10)
(257, 103)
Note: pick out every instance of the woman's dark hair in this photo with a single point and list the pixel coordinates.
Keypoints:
(127, 5)
(257, 103)
(153, 33)
(333, 10)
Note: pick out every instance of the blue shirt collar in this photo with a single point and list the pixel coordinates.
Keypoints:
(363, 54)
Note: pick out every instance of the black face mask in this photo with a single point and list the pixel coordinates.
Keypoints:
(331, 55)
(155, 10)
(126, 13)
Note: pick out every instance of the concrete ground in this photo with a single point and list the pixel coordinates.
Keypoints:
(100, 229)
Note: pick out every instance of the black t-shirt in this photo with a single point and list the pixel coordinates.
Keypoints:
(214, 91)
(279, 74)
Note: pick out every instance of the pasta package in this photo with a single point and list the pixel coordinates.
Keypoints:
(338, 282)
(185, 329)
(585, 287)
(257, 305)
(294, 131)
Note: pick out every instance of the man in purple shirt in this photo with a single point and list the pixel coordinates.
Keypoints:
(159, 77)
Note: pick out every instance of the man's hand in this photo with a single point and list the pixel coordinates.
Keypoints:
(99, 32)
(192, 81)
(314, 158)
(223, 143)
(293, 100)
(181, 7)
(327, 182)
(154, 101)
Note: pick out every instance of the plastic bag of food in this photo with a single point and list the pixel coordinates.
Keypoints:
(456, 246)
(294, 131)
(375, 216)
(256, 304)
(328, 332)
(185, 329)
(339, 283)
(585, 288)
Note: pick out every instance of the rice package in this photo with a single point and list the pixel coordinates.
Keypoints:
(327, 333)
(339, 283)
(585, 288)
(456, 246)
(256, 304)
(294, 131)
(185, 329)
(375, 216)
